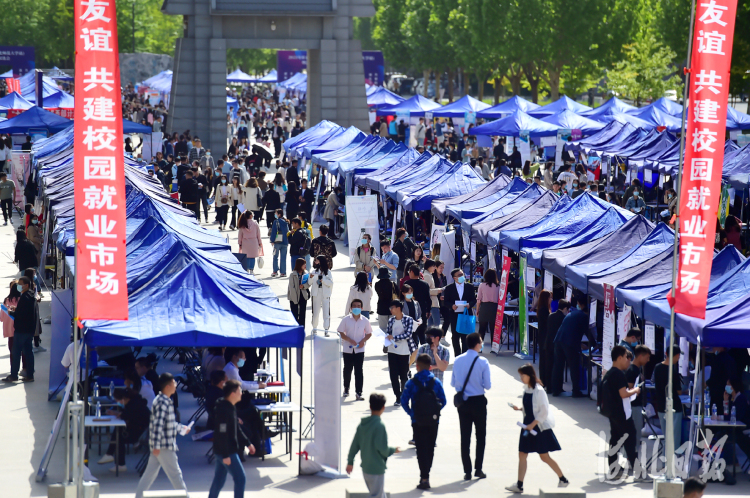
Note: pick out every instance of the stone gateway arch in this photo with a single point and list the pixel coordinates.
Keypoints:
(335, 82)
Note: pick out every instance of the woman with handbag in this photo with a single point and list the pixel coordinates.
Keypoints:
(536, 417)
(280, 242)
(249, 240)
(298, 291)
(487, 297)
(252, 198)
(222, 197)
(235, 199)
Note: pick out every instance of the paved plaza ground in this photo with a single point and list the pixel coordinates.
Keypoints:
(26, 419)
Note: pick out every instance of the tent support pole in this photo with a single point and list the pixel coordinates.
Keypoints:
(301, 352)
(669, 433)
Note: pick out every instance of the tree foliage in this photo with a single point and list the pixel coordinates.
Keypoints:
(252, 61)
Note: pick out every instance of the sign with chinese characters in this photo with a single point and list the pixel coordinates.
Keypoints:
(21, 59)
(497, 333)
(608, 335)
(291, 62)
(99, 178)
(704, 151)
(374, 67)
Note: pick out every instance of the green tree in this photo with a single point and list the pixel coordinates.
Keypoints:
(646, 71)
(363, 33)
(387, 35)
(252, 61)
(155, 32)
(423, 56)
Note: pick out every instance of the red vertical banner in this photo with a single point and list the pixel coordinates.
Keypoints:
(101, 287)
(502, 293)
(704, 151)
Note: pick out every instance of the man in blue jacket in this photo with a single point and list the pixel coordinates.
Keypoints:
(568, 347)
(422, 399)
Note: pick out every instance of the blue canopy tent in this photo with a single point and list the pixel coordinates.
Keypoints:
(34, 119)
(459, 180)
(725, 326)
(322, 158)
(434, 167)
(415, 106)
(513, 104)
(321, 129)
(567, 119)
(580, 209)
(15, 100)
(655, 283)
(658, 143)
(737, 120)
(163, 75)
(59, 100)
(625, 118)
(580, 233)
(603, 136)
(524, 218)
(560, 104)
(386, 157)
(529, 208)
(513, 124)
(131, 127)
(736, 169)
(459, 108)
(515, 200)
(440, 206)
(665, 105)
(271, 77)
(653, 247)
(358, 148)
(627, 137)
(238, 76)
(28, 86)
(489, 207)
(612, 105)
(58, 75)
(632, 232)
(292, 82)
(376, 181)
(659, 118)
(380, 97)
(333, 142)
(363, 154)
(483, 201)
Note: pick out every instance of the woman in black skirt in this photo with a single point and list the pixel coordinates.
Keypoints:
(536, 417)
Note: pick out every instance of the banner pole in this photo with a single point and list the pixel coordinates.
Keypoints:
(669, 433)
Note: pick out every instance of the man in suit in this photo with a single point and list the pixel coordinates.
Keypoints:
(306, 199)
(277, 136)
(459, 290)
(547, 359)
(404, 248)
(422, 296)
(568, 347)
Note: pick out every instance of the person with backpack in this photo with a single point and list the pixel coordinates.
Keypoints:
(615, 397)
(538, 418)
(321, 288)
(423, 399)
(299, 242)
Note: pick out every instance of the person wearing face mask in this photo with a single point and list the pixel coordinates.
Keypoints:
(670, 198)
(631, 340)
(24, 322)
(363, 257)
(321, 288)
(235, 360)
(568, 347)
(636, 204)
(141, 386)
(458, 292)
(34, 234)
(355, 330)
(133, 410)
(222, 199)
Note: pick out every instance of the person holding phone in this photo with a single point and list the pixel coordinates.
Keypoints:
(355, 331)
(537, 418)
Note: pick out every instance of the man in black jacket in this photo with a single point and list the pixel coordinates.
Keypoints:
(136, 415)
(459, 290)
(229, 441)
(422, 296)
(546, 360)
(25, 254)
(189, 195)
(404, 247)
(292, 175)
(323, 245)
(213, 394)
(306, 199)
(25, 319)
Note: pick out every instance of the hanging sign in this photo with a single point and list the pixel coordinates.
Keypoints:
(704, 151)
(501, 296)
(99, 177)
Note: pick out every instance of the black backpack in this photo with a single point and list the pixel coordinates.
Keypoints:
(426, 404)
(606, 398)
(304, 249)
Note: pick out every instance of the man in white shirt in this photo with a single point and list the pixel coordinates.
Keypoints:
(355, 331)
(232, 369)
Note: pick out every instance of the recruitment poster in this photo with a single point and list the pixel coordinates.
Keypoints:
(502, 293)
(525, 148)
(523, 325)
(562, 138)
(362, 217)
(608, 337)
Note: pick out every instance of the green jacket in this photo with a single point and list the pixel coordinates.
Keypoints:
(372, 440)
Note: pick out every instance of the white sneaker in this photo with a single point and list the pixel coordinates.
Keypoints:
(40, 349)
(88, 476)
(121, 468)
(444, 343)
(106, 459)
(514, 488)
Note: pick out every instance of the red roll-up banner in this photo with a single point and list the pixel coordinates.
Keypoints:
(502, 293)
(101, 287)
(704, 151)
